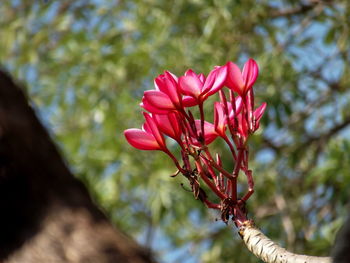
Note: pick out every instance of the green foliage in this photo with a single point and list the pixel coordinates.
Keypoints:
(86, 64)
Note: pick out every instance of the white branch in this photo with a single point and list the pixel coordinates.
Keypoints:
(268, 251)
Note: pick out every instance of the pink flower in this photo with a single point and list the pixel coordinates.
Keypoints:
(200, 88)
(241, 82)
(149, 138)
(165, 97)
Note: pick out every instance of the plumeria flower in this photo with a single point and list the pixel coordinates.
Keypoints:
(241, 82)
(197, 88)
(149, 138)
(166, 97)
(236, 116)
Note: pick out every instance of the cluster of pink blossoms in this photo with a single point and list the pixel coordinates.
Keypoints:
(235, 119)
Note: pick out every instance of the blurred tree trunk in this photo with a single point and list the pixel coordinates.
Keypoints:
(46, 213)
(341, 249)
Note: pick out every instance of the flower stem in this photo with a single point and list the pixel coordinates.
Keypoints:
(207, 180)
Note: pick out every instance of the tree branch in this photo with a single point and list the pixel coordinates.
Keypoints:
(302, 9)
(268, 251)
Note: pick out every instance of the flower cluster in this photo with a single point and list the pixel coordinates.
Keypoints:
(235, 119)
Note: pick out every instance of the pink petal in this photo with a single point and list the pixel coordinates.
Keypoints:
(242, 126)
(158, 99)
(169, 125)
(141, 139)
(239, 104)
(234, 78)
(174, 120)
(201, 77)
(250, 73)
(209, 81)
(152, 125)
(190, 85)
(148, 107)
(146, 128)
(219, 80)
(172, 89)
(167, 84)
(258, 113)
(219, 119)
(209, 132)
(174, 77)
(191, 73)
(160, 84)
(188, 101)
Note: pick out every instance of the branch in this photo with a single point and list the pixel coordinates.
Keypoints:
(268, 251)
(326, 136)
(292, 11)
(299, 10)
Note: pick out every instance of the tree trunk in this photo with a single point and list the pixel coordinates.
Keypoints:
(47, 214)
(341, 249)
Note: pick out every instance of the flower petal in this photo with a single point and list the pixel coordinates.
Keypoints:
(209, 81)
(169, 125)
(167, 83)
(219, 119)
(188, 101)
(141, 139)
(220, 74)
(250, 73)
(190, 85)
(201, 77)
(148, 107)
(258, 113)
(234, 78)
(209, 132)
(242, 125)
(152, 125)
(191, 73)
(238, 106)
(172, 88)
(158, 99)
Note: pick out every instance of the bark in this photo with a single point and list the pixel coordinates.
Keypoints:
(47, 215)
(268, 251)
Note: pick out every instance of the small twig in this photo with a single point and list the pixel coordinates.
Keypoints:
(293, 11)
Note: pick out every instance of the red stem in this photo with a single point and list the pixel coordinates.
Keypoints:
(207, 180)
(231, 147)
(224, 101)
(202, 119)
(211, 161)
(211, 204)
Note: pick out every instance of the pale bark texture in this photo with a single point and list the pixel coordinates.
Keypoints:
(47, 214)
(268, 251)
